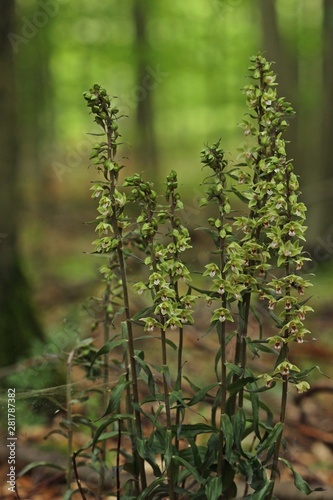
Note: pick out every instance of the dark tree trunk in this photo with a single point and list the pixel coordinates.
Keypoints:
(146, 144)
(18, 324)
(286, 66)
(326, 201)
(306, 145)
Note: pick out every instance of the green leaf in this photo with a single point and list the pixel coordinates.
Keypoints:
(42, 463)
(109, 346)
(211, 452)
(190, 468)
(228, 434)
(69, 493)
(201, 394)
(271, 438)
(239, 195)
(166, 374)
(115, 396)
(56, 431)
(262, 493)
(168, 448)
(146, 493)
(148, 455)
(168, 341)
(190, 431)
(239, 425)
(150, 378)
(194, 387)
(255, 410)
(299, 482)
(213, 488)
(103, 426)
(143, 312)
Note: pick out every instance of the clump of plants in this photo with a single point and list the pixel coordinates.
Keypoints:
(161, 434)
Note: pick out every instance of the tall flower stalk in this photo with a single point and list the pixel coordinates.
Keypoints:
(111, 226)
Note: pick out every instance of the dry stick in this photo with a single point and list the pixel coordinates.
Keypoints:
(78, 480)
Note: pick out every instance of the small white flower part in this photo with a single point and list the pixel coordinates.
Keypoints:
(156, 282)
(222, 318)
(212, 273)
(150, 328)
(221, 290)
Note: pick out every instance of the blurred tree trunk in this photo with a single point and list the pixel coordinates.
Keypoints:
(145, 84)
(298, 78)
(286, 66)
(327, 121)
(36, 104)
(18, 324)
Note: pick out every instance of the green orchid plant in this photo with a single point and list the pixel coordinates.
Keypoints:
(165, 444)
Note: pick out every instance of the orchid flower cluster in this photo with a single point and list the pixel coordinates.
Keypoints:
(275, 229)
(164, 258)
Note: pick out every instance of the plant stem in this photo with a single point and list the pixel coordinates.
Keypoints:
(164, 371)
(111, 150)
(284, 355)
(69, 417)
